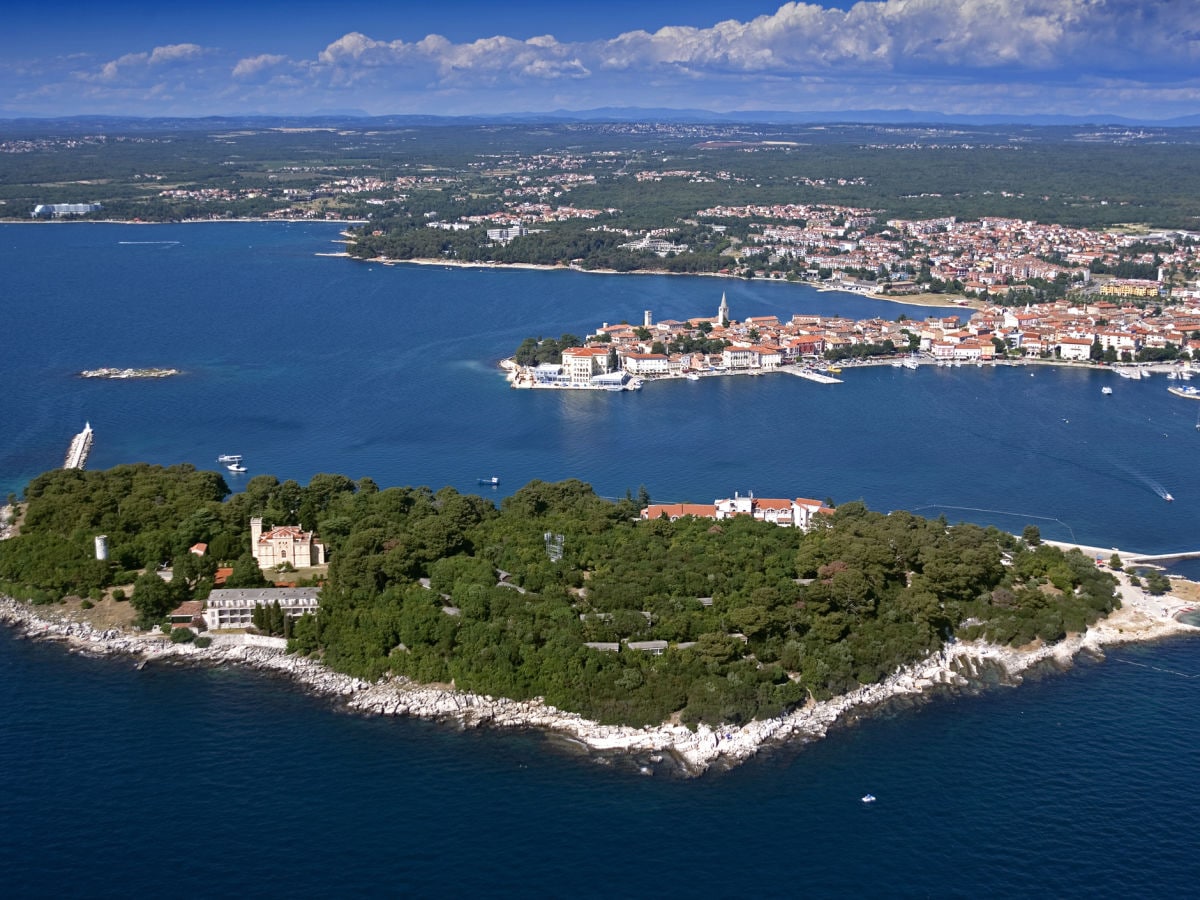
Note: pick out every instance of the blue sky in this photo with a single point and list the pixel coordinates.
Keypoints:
(1139, 58)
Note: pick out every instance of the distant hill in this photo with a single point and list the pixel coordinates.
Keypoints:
(602, 114)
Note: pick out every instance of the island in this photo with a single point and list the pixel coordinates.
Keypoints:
(694, 633)
(129, 373)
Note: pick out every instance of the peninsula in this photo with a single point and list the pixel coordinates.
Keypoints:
(1102, 330)
(646, 629)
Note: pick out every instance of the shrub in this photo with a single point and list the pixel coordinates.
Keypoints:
(202, 641)
(182, 636)
(86, 604)
(119, 595)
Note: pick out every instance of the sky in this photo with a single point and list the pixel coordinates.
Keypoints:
(1137, 58)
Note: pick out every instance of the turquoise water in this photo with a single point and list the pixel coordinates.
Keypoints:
(180, 780)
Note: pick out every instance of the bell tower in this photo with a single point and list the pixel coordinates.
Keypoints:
(723, 312)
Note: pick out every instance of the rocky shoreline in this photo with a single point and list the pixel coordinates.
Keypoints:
(961, 665)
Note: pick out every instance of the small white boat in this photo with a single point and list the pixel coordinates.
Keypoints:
(236, 467)
(490, 481)
(229, 458)
(1168, 498)
(868, 798)
(1106, 390)
(692, 376)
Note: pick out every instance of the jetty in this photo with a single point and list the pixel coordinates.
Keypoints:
(81, 446)
(812, 375)
(1129, 557)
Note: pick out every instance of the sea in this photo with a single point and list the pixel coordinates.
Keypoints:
(186, 779)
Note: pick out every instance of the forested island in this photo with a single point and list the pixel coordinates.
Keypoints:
(751, 619)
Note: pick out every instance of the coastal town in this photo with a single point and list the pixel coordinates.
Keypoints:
(1102, 329)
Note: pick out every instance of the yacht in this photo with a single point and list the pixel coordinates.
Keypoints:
(233, 462)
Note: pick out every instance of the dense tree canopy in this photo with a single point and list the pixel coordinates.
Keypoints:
(443, 587)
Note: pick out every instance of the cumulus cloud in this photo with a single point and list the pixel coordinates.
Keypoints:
(255, 66)
(131, 64)
(1025, 38)
(802, 55)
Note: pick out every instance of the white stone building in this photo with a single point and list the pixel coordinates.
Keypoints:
(234, 607)
(285, 544)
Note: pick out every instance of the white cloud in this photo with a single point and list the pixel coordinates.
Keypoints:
(254, 66)
(892, 53)
(133, 65)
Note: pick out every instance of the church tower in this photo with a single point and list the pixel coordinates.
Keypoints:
(723, 312)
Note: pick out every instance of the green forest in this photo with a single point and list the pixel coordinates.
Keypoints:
(450, 588)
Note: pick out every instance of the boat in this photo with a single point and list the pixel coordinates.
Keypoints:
(692, 376)
(868, 798)
(1191, 393)
(233, 462)
(1106, 390)
(491, 481)
(228, 458)
(1168, 498)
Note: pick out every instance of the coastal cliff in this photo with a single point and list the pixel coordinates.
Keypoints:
(960, 665)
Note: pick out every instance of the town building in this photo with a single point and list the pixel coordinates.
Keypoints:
(59, 210)
(797, 513)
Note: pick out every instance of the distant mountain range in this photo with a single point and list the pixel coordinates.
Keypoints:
(613, 114)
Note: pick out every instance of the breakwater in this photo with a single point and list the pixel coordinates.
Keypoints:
(80, 447)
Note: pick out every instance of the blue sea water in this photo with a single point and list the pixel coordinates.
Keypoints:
(172, 779)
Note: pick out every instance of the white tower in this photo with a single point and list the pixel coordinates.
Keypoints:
(647, 319)
(102, 547)
(723, 311)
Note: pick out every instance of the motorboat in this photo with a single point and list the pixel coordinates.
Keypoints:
(1168, 498)
(233, 462)
(1106, 390)
(228, 458)
(490, 481)
(868, 798)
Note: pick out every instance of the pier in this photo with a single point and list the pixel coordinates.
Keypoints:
(1128, 557)
(81, 446)
(812, 375)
